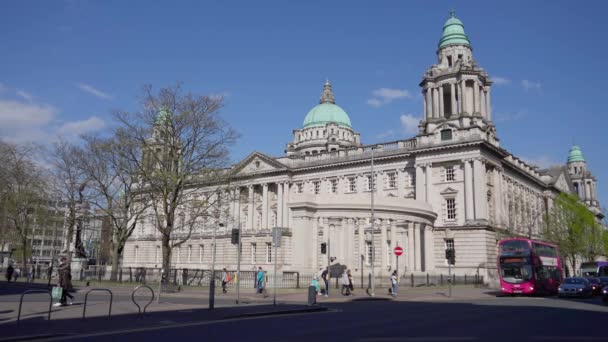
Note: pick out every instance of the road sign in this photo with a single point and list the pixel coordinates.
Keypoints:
(398, 251)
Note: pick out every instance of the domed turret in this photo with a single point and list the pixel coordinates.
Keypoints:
(575, 155)
(327, 111)
(453, 32)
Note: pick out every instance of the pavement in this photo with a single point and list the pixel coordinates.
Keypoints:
(417, 314)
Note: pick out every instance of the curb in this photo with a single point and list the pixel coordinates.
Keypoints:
(280, 312)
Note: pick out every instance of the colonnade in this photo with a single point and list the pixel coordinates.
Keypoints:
(281, 191)
(476, 99)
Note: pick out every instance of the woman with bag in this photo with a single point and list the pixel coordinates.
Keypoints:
(65, 281)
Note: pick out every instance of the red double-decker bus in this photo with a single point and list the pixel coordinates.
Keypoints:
(528, 267)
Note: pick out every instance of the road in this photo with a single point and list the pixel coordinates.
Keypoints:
(493, 319)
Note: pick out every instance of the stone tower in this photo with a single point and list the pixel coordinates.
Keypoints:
(582, 179)
(456, 93)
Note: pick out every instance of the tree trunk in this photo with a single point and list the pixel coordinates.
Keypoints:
(116, 252)
(166, 243)
(24, 253)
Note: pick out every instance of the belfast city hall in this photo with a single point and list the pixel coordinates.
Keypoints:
(451, 185)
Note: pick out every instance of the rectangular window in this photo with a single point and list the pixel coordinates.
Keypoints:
(317, 187)
(450, 204)
(389, 252)
(156, 253)
(201, 253)
(178, 255)
(392, 180)
(449, 61)
(352, 184)
(268, 252)
(446, 134)
(450, 175)
(189, 253)
(369, 183)
(300, 188)
(136, 253)
(449, 244)
(334, 186)
(253, 252)
(368, 253)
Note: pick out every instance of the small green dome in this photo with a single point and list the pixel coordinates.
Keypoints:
(575, 155)
(163, 117)
(324, 113)
(327, 111)
(453, 32)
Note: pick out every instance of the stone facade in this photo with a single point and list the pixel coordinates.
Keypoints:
(450, 185)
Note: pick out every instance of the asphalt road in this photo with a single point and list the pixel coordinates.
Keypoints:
(494, 319)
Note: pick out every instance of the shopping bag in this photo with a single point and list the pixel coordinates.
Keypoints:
(57, 292)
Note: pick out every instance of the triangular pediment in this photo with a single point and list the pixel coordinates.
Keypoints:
(562, 183)
(257, 162)
(449, 191)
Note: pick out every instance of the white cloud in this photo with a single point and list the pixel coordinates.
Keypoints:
(94, 91)
(25, 95)
(384, 96)
(20, 121)
(76, 128)
(501, 80)
(531, 85)
(542, 161)
(409, 123)
(386, 134)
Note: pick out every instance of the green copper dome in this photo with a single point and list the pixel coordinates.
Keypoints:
(575, 155)
(327, 111)
(453, 32)
(163, 117)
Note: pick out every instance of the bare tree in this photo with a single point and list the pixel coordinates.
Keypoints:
(184, 145)
(68, 184)
(113, 178)
(24, 200)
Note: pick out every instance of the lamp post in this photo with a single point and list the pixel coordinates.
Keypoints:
(212, 281)
(238, 266)
(372, 190)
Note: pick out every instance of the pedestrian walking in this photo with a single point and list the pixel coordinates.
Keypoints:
(345, 285)
(226, 278)
(325, 276)
(16, 273)
(31, 274)
(350, 281)
(9, 272)
(64, 272)
(315, 283)
(260, 281)
(394, 284)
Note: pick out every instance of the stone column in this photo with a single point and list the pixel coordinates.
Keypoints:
(429, 259)
(286, 213)
(411, 253)
(429, 103)
(476, 98)
(250, 207)
(441, 106)
(587, 191)
(394, 243)
(428, 183)
(488, 106)
(400, 183)
(453, 99)
(424, 105)
(420, 187)
(280, 204)
(463, 86)
(468, 190)
(417, 247)
(479, 176)
(483, 102)
(362, 251)
(498, 195)
(265, 206)
(435, 103)
(237, 205)
(316, 246)
(383, 247)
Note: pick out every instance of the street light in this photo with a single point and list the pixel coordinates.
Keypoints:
(212, 281)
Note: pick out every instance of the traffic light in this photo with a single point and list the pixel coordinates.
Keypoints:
(323, 248)
(234, 237)
(450, 255)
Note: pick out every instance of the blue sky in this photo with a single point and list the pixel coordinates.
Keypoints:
(65, 65)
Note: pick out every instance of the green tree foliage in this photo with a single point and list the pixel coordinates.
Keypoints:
(571, 226)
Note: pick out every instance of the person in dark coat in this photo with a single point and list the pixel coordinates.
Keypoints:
(9, 273)
(65, 281)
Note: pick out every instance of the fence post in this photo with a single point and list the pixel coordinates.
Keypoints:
(441, 279)
(175, 276)
(412, 279)
(454, 279)
(130, 275)
(427, 280)
(465, 278)
(297, 280)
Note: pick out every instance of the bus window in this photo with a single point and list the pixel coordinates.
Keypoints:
(603, 271)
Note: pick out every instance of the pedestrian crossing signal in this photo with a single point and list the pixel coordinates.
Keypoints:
(323, 248)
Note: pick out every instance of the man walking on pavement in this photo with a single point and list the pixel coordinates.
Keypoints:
(325, 276)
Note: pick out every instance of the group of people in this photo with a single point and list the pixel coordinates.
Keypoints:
(347, 283)
(260, 281)
(12, 273)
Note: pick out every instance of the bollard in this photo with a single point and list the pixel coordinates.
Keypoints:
(412, 279)
(312, 295)
(297, 280)
(465, 279)
(428, 283)
(441, 279)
